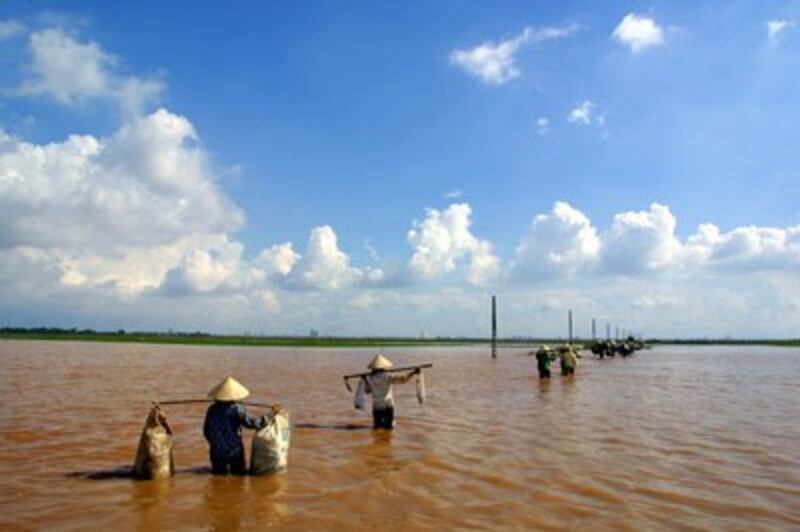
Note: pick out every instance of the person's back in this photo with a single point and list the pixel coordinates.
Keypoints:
(379, 384)
(223, 427)
(568, 360)
(543, 362)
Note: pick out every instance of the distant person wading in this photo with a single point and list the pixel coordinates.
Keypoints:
(379, 384)
(543, 361)
(568, 360)
(223, 427)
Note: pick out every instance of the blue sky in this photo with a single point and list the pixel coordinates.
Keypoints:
(376, 168)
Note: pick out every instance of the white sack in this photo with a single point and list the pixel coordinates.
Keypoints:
(359, 398)
(420, 388)
(270, 451)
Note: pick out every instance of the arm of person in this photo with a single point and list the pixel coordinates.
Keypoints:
(402, 379)
(250, 422)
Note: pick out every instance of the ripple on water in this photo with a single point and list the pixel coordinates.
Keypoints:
(671, 438)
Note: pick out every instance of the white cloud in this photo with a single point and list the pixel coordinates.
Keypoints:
(560, 243)
(454, 194)
(639, 244)
(642, 241)
(204, 271)
(542, 126)
(278, 259)
(638, 33)
(746, 249)
(776, 28)
(119, 212)
(494, 63)
(72, 72)
(584, 114)
(10, 29)
(443, 238)
(325, 267)
(147, 183)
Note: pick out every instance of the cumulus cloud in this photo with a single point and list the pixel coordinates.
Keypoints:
(776, 28)
(148, 183)
(746, 249)
(638, 33)
(443, 238)
(638, 244)
(494, 63)
(642, 241)
(324, 266)
(10, 29)
(278, 259)
(562, 242)
(585, 114)
(72, 72)
(207, 269)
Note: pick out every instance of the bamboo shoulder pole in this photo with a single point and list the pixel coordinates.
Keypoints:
(191, 401)
(392, 370)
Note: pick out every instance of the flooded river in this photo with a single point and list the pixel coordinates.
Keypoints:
(675, 437)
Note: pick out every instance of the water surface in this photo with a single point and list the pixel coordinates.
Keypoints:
(673, 438)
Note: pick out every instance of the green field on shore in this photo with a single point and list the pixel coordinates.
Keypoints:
(198, 338)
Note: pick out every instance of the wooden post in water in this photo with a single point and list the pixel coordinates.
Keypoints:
(494, 327)
(594, 329)
(570, 326)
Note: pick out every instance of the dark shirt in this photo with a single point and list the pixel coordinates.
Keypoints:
(543, 359)
(223, 428)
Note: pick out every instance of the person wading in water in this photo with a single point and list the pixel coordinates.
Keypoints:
(543, 362)
(223, 427)
(568, 360)
(379, 384)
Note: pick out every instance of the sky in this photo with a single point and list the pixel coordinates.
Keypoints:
(383, 168)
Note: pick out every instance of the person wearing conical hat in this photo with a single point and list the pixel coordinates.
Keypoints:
(543, 361)
(223, 427)
(568, 359)
(379, 383)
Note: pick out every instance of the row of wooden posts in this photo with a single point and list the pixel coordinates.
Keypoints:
(569, 321)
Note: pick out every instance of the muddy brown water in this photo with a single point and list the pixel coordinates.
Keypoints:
(672, 438)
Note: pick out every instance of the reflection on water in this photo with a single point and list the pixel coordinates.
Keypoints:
(671, 438)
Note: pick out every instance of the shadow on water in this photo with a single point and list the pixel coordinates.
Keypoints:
(331, 426)
(126, 472)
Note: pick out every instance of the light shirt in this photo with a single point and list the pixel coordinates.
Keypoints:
(568, 359)
(380, 386)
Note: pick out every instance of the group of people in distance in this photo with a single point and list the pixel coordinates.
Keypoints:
(227, 416)
(567, 355)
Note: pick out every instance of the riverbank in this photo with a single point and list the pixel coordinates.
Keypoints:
(199, 338)
(263, 341)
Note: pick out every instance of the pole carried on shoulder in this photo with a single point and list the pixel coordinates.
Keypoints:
(190, 401)
(391, 370)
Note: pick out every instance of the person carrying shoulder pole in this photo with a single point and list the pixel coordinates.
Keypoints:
(223, 427)
(568, 360)
(543, 362)
(379, 383)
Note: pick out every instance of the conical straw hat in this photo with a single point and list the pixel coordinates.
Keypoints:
(380, 362)
(229, 390)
